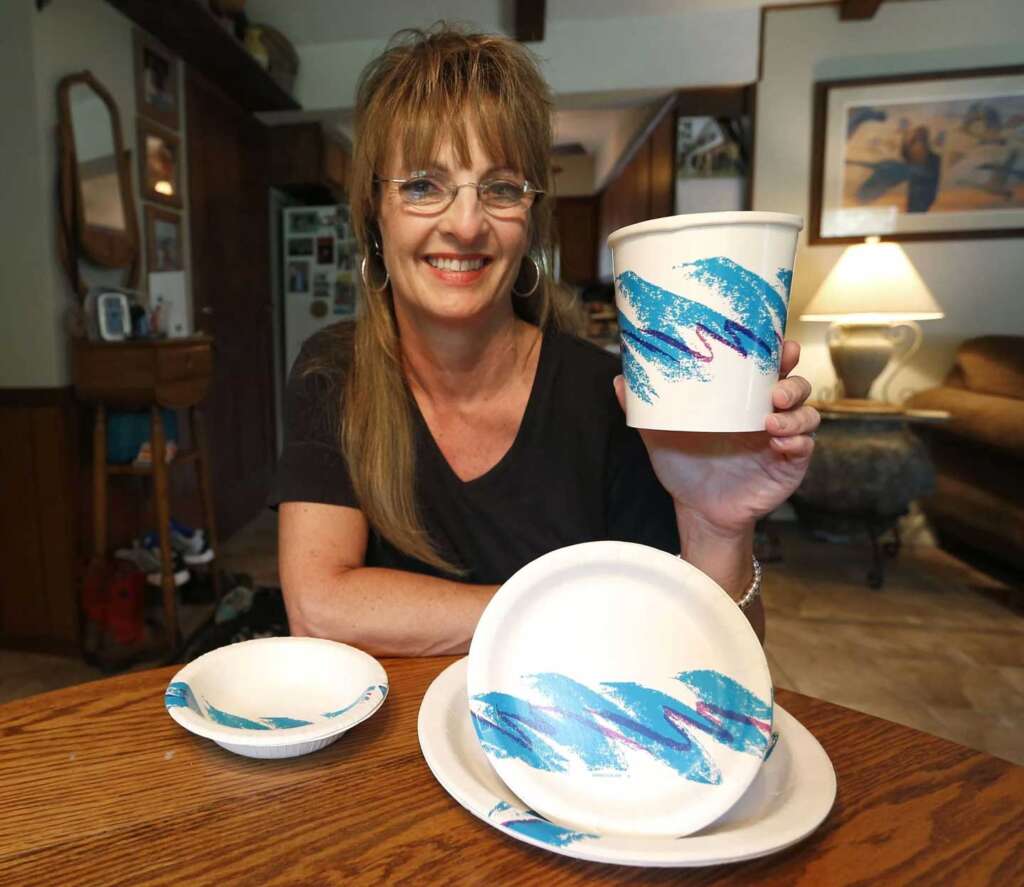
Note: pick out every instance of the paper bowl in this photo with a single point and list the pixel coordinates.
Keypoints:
(276, 697)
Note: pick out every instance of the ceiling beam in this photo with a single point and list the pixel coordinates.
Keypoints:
(858, 10)
(528, 21)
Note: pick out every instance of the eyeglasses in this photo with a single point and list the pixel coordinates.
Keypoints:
(433, 192)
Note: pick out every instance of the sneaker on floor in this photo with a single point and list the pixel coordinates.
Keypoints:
(186, 539)
(147, 559)
(190, 544)
(181, 573)
(195, 553)
(193, 546)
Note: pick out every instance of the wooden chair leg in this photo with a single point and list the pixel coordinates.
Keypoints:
(163, 522)
(99, 483)
(203, 479)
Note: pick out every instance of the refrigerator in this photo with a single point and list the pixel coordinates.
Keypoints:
(319, 271)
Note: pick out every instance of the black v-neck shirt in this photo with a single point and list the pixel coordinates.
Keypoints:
(574, 473)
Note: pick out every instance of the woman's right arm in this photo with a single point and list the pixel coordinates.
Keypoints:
(330, 593)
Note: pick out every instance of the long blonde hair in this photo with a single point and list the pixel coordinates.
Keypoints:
(425, 88)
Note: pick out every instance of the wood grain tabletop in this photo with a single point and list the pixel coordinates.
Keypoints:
(100, 786)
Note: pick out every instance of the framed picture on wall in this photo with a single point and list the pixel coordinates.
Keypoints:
(919, 157)
(156, 82)
(160, 176)
(164, 244)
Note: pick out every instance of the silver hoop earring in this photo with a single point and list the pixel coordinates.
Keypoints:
(363, 266)
(536, 280)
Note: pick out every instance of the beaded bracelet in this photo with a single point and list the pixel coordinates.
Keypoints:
(755, 585)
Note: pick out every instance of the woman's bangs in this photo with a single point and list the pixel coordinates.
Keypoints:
(427, 126)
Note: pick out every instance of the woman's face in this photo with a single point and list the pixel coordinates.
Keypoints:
(457, 264)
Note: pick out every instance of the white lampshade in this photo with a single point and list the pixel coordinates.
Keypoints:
(873, 282)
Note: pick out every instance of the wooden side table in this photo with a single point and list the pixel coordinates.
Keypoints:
(866, 470)
(153, 375)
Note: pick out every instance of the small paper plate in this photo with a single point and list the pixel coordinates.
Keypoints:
(276, 697)
(617, 689)
(791, 796)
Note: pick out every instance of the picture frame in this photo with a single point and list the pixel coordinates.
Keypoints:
(113, 316)
(300, 246)
(160, 178)
(165, 248)
(156, 82)
(325, 251)
(345, 294)
(928, 156)
(304, 222)
(298, 277)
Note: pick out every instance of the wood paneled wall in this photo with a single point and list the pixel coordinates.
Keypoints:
(229, 163)
(645, 189)
(38, 532)
(302, 154)
(576, 220)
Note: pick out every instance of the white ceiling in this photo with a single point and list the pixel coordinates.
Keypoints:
(311, 22)
(591, 129)
(593, 119)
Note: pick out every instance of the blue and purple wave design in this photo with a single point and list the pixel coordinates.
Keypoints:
(180, 695)
(679, 336)
(528, 823)
(596, 727)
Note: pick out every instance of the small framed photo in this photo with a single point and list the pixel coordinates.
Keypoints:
(344, 298)
(113, 317)
(303, 222)
(298, 277)
(300, 246)
(156, 82)
(919, 157)
(164, 247)
(325, 250)
(159, 164)
(342, 223)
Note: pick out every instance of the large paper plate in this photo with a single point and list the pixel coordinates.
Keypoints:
(791, 796)
(617, 689)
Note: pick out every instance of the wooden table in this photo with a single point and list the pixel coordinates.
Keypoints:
(100, 786)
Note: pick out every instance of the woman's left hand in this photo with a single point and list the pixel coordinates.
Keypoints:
(730, 479)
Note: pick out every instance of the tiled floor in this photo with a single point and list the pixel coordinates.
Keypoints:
(939, 648)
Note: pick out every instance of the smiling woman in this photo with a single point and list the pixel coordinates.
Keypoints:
(460, 430)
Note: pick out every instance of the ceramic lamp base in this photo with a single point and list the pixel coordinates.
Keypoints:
(860, 352)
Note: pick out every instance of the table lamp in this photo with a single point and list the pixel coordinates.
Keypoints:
(873, 298)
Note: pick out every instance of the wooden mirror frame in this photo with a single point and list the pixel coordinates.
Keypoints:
(109, 249)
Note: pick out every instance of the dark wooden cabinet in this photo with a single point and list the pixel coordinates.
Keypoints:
(302, 154)
(172, 373)
(645, 189)
(576, 221)
(38, 533)
(188, 29)
(229, 197)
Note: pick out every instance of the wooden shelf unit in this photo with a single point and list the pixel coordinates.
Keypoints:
(153, 375)
(180, 458)
(189, 30)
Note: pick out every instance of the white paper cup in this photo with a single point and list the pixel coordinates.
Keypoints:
(702, 302)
